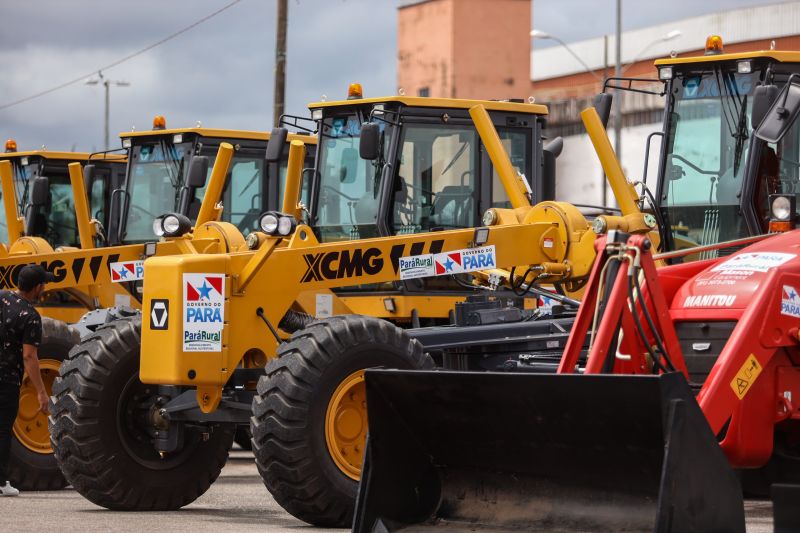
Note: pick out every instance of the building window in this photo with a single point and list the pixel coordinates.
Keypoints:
(424, 92)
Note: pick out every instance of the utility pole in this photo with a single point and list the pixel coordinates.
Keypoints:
(107, 110)
(618, 94)
(280, 62)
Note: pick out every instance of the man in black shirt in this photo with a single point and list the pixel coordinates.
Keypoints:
(20, 335)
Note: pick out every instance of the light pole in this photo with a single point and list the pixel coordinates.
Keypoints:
(539, 34)
(107, 84)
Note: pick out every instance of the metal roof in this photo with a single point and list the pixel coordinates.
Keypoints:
(735, 26)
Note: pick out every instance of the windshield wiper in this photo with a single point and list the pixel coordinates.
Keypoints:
(735, 113)
(741, 136)
(455, 157)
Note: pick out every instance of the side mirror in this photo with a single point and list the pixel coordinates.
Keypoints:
(276, 144)
(198, 172)
(40, 191)
(550, 152)
(781, 115)
(763, 98)
(555, 147)
(602, 103)
(368, 146)
(88, 178)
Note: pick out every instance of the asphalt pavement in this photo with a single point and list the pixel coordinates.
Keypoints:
(238, 501)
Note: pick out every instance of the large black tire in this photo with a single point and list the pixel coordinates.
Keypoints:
(783, 466)
(32, 465)
(106, 452)
(289, 411)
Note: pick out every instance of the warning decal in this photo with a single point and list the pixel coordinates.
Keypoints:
(746, 376)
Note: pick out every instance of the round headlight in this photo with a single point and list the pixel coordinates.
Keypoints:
(781, 208)
(171, 224)
(286, 225)
(252, 241)
(490, 217)
(157, 229)
(269, 223)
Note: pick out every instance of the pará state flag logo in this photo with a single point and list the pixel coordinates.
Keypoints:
(206, 288)
(790, 302)
(449, 263)
(127, 271)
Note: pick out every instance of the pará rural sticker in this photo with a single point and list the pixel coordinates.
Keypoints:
(446, 263)
(203, 312)
(127, 271)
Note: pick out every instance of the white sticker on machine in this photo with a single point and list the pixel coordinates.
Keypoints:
(754, 262)
(203, 312)
(446, 263)
(324, 305)
(790, 302)
(127, 271)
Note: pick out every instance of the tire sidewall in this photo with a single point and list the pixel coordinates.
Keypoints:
(342, 365)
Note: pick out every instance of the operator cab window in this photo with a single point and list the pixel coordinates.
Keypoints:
(516, 145)
(157, 171)
(436, 186)
(706, 158)
(349, 185)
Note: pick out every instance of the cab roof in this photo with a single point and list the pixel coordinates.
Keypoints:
(68, 156)
(782, 56)
(454, 103)
(224, 134)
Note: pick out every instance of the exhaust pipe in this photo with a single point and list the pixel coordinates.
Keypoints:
(466, 451)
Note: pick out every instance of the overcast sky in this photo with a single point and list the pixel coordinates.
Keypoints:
(221, 72)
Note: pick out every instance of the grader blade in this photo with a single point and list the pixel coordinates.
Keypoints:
(466, 451)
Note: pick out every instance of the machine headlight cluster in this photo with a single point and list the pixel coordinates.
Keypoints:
(783, 212)
(665, 73)
(171, 225)
(783, 207)
(744, 67)
(275, 223)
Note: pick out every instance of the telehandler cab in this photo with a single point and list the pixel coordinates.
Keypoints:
(715, 178)
(147, 426)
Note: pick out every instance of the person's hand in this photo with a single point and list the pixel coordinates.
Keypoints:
(44, 400)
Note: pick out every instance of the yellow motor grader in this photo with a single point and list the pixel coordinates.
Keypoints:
(151, 404)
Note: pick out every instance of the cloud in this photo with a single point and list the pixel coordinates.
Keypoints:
(222, 71)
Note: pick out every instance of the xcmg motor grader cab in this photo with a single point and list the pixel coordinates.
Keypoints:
(43, 207)
(157, 177)
(418, 165)
(55, 221)
(166, 410)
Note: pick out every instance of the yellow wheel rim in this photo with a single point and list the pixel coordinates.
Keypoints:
(30, 427)
(346, 425)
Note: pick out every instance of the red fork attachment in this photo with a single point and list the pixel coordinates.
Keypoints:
(624, 281)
